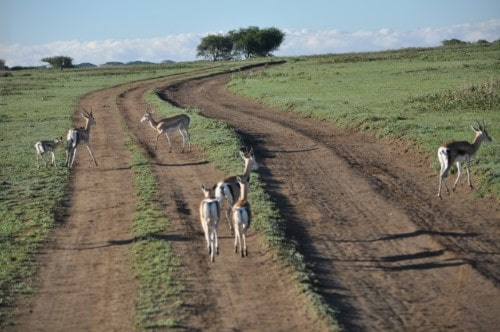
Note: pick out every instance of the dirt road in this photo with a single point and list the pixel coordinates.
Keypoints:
(387, 254)
(85, 278)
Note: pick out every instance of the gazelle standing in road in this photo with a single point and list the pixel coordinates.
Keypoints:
(180, 122)
(458, 152)
(43, 147)
(230, 187)
(77, 136)
(209, 217)
(242, 217)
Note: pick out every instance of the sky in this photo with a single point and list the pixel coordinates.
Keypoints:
(100, 31)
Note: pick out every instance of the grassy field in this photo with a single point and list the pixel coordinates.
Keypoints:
(427, 96)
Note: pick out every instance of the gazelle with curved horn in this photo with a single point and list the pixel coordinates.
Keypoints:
(458, 152)
(77, 136)
(164, 126)
(230, 187)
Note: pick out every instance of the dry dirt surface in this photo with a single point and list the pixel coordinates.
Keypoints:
(387, 254)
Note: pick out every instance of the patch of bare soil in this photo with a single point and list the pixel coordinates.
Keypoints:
(387, 253)
(85, 282)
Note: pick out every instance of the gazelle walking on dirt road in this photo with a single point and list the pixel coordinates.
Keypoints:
(458, 152)
(43, 147)
(209, 217)
(77, 136)
(242, 216)
(180, 122)
(230, 187)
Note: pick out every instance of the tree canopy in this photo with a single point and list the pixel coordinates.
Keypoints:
(245, 42)
(215, 47)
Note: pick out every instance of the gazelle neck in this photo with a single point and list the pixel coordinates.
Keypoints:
(244, 189)
(152, 122)
(248, 170)
(87, 125)
(476, 143)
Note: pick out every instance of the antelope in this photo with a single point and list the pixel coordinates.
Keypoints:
(242, 216)
(77, 136)
(230, 187)
(209, 217)
(458, 152)
(167, 125)
(43, 147)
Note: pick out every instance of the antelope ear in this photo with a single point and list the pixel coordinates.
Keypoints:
(242, 154)
(476, 130)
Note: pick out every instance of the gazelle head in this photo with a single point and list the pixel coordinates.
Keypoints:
(88, 116)
(147, 116)
(208, 192)
(481, 132)
(58, 141)
(250, 161)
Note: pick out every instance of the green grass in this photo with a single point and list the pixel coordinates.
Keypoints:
(158, 301)
(426, 96)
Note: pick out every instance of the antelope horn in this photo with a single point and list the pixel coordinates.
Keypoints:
(480, 126)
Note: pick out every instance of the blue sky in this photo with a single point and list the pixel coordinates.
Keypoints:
(99, 31)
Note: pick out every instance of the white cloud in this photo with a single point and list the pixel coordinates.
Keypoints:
(305, 42)
(182, 47)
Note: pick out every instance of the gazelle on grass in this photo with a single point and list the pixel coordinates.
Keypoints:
(230, 187)
(242, 217)
(209, 217)
(77, 136)
(43, 147)
(458, 152)
(177, 122)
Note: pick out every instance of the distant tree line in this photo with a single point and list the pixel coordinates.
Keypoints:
(245, 42)
(458, 42)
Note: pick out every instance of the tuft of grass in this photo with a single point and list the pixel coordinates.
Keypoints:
(480, 97)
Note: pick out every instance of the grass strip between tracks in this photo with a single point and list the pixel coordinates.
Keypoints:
(158, 300)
